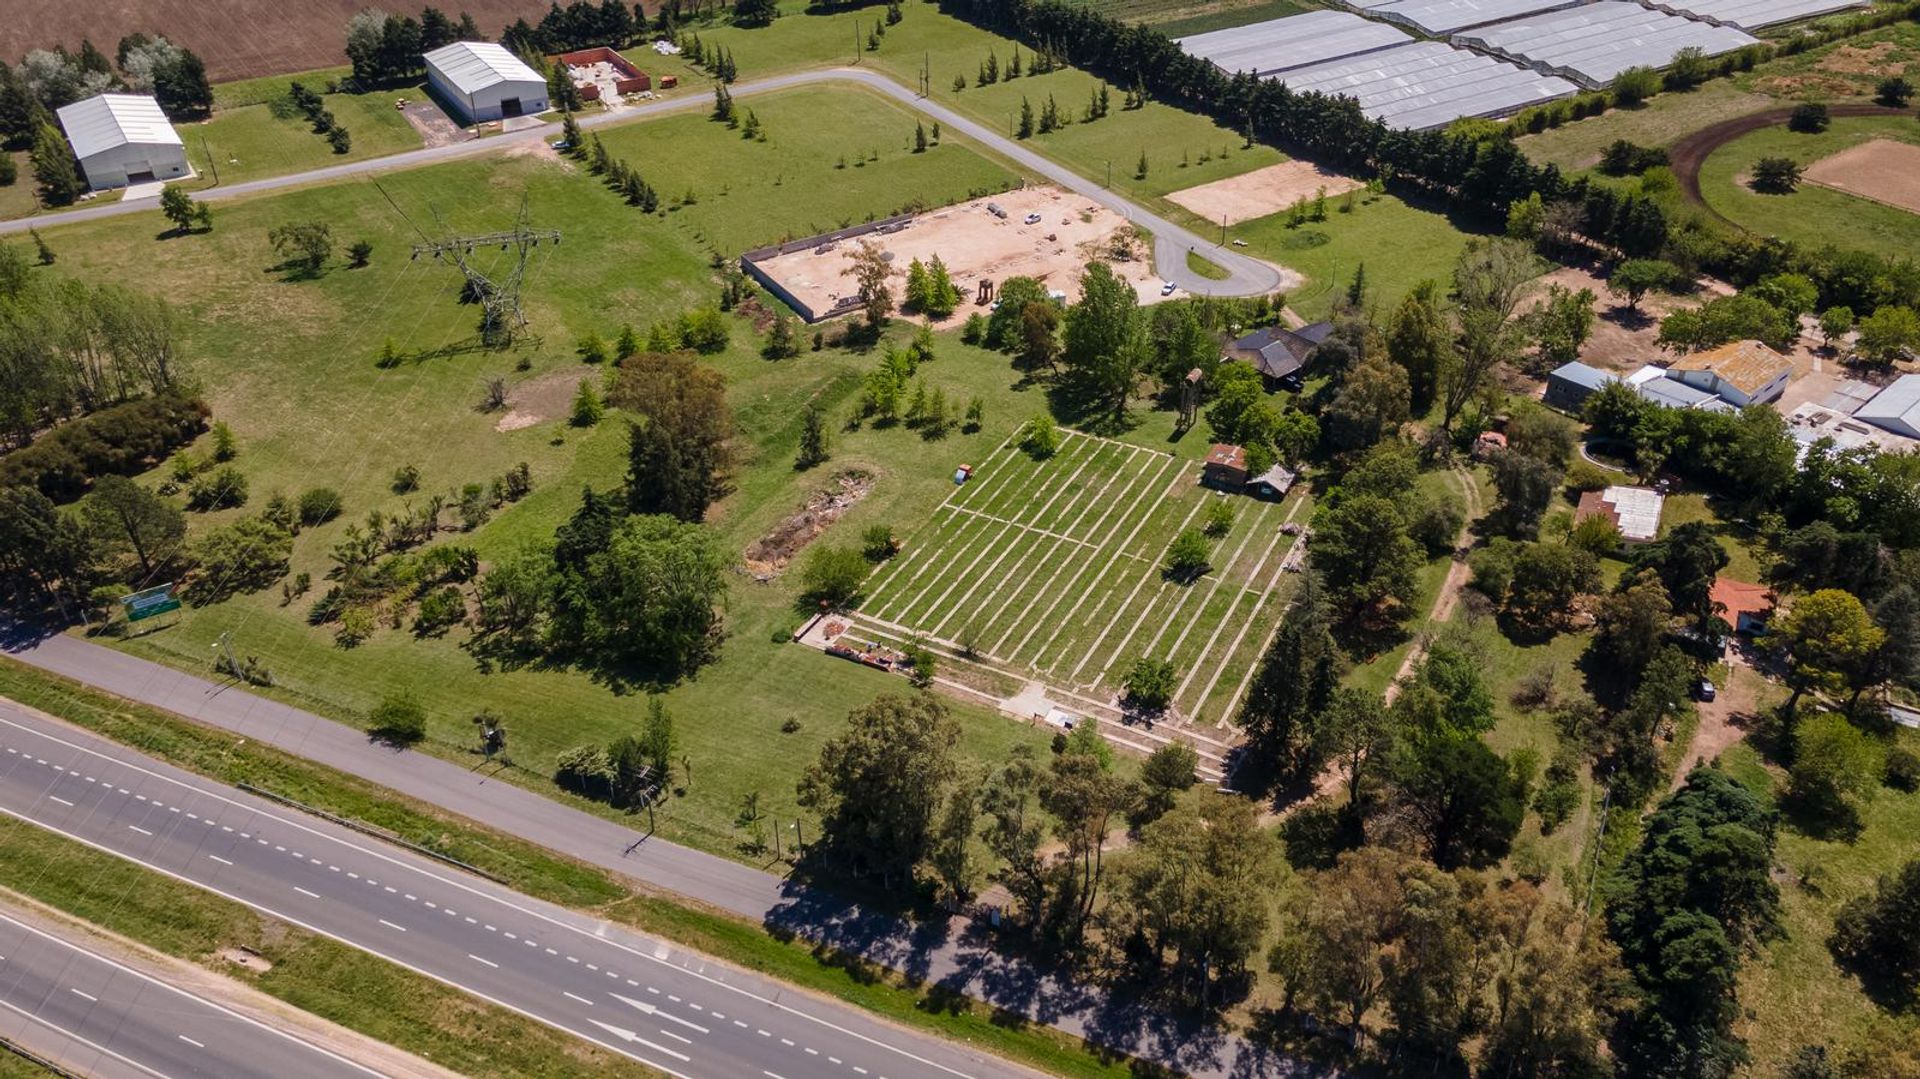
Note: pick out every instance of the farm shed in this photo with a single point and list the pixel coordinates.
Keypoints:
(1896, 408)
(1273, 484)
(481, 81)
(1427, 84)
(1225, 468)
(1741, 373)
(123, 139)
(1673, 393)
(1570, 384)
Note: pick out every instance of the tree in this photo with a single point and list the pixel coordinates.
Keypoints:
(1420, 340)
(122, 515)
(833, 575)
(1893, 92)
(638, 601)
(179, 208)
(1835, 323)
(1104, 346)
(1083, 798)
(919, 138)
(1187, 556)
(679, 457)
(1878, 934)
(1462, 798)
(875, 786)
(1630, 624)
(1561, 323)
(1196, 886)
(1165, 773)
(587, 407)
(1687, 559)
(870, 273)
(1487, 283)
(359, 253)
(1829, 639)
(53, 167)
(813, 439)
(1547, 577)
(1634, 278)
(1835, 765)
(1774, 175)
(245, 556)
(306, 246)
(1357, 731)
(1025, 131)
(1525, 486)
(1040, 436)
(1373, 401)
(1809, 118)
(1003, 325)
(1340, 923)
(1889, 335)
(755, 12)
(657, 741)
(1292, 687)
(398, 720)
(1364, 554)
(1150, 684)
(951, 857)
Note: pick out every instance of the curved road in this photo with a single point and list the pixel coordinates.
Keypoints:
(1246, 276)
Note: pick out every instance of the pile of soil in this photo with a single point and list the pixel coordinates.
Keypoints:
(771, 553)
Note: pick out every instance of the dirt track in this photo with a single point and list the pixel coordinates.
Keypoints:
(1691, 151)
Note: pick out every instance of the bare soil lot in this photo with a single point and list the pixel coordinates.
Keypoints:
(1262, 191)
(979, 246)
(239, 39)
(1883, 170)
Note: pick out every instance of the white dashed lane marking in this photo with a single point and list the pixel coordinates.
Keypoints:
(62, 801)
(303, 891)
(190, 1041)
(390, 925)
(488, 962)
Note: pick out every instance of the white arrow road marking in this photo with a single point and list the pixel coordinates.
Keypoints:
(648, 1009)
(627, 1035)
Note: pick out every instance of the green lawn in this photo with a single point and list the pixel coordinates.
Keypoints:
(1187, 20)
(1804, 997)
(1812, 214)
(1743, 560)
(262, 138)
(310, 972)
(1400, 245)
(1053, 569)
(289, 366)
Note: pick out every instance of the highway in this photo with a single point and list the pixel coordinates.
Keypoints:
(97, 1016)
(956, 954)
(1246, 276)
(678, 1012)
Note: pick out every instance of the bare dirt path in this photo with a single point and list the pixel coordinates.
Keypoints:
(1456, 580)
(1691, 151)
(1723, 721)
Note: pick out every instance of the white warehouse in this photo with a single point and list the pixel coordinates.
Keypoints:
(483, 81)
(123, 139)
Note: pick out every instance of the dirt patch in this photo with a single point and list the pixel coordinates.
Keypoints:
(543, 398)
(539, 150)
(245, 957)
(771, 553)
(978, 245)
(1862, 60)
(1692, 149)
(238, 39)
(1262, 191)
(436, 128)
(1883, 170)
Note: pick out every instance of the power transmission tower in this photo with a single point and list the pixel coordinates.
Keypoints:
(501, 317)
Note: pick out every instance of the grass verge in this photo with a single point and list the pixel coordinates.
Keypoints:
(522, 865)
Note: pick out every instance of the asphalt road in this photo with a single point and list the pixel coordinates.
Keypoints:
(98, 1017)
(1246, 276)
(675, 1011)
(958, 955)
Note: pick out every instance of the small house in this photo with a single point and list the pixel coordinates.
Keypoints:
(1634, 511)
(1273, 484)
(1746, 607)
(123, 139)
(1741, 373)
(1278, 353)
(1225, 468)
(479, 81)
(1570, 384)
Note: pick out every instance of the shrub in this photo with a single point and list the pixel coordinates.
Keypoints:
(1187, 557)
(1893, 91)
(1635, 85)
(397, 720)
(586, 771)
(359, 254)
(1775, 176)
(1583, 475)
(319, 505)
(356, 625)
(406, 478)
(224, 488)
(1219, 518)
(878, 543)
(119, 441)
(1150, 684)
(1040, 437)
(1903, 769)
(1810, 118)
(833, 575)
(441, 610)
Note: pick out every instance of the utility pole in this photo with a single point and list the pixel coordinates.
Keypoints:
(212, 165)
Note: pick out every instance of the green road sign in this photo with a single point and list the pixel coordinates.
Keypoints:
(149, 602)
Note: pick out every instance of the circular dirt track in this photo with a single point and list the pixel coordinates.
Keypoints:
(1691, 150)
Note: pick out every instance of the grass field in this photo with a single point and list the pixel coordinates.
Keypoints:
(1794, 983)
(1812, 214)
(1054, 569)
(246, 140)
(289, 366)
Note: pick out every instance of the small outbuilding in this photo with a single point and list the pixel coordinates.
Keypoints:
(1272, 484)
(1741, 373)
(1225, 468)
(479, 81)
(1570, 384)
(1634, 511)
(1896, 408)
(123, 139)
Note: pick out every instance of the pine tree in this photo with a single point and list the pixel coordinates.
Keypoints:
(1357, 290)
(1026, 119)
(813, 439)
(628, 343)
(1140, 170)
(1013, 66)
(570, 134)
(53, 167)
(587, 408)
(919, 138)
(976, 414)
(600, 160)
(40, 244)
